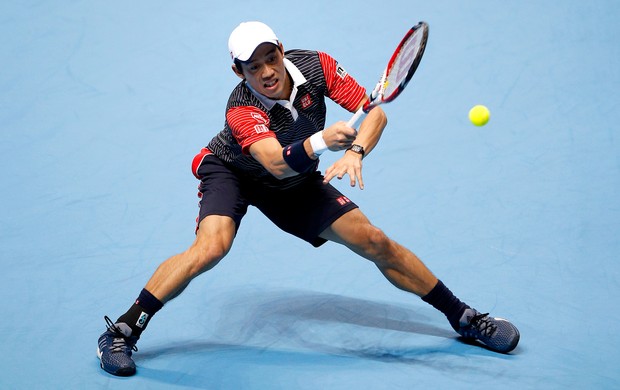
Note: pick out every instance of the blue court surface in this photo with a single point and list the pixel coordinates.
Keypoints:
(103, 104)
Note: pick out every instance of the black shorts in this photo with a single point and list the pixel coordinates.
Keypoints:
(304, 210)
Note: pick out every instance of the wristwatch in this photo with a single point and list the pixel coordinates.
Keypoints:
(357, 149)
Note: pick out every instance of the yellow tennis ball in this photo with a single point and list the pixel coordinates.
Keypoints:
(479, 115)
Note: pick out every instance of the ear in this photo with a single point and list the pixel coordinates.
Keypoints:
(281, 47)
(236, 71)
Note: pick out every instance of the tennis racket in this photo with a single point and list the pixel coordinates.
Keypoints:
(399, 70)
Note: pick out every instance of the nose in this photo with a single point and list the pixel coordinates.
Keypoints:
(267, 72)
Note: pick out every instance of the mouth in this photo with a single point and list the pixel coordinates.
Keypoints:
(270, 84)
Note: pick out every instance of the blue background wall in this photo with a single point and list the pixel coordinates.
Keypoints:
(103, 105)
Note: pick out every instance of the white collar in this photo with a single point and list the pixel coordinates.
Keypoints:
(297, 78)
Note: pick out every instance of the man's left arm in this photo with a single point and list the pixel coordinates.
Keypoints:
(368, 136)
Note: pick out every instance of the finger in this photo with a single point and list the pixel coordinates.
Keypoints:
(328, 175)
(348, 132)
(356, 175)
(351, 172)
(359, 179)
(346, 139)
(352, 181)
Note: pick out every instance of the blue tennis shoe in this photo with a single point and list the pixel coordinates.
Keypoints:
(115, 348)
(497, 334)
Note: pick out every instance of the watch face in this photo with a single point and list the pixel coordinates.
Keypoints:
(357, 149)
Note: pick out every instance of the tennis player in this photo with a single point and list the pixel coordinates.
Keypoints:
(267, 157)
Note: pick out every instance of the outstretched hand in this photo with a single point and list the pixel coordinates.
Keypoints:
(349, 164)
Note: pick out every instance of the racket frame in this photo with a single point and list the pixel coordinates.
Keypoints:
(377, 96)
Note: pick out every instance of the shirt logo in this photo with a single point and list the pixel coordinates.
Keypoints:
(306, 101)
(341, 72)
(258, 117)
(261, 129)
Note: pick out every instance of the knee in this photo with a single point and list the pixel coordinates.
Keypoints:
(206, 255)
(377, 244)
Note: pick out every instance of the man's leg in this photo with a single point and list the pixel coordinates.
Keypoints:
(407, 272)
(213, 241)
(399, 265)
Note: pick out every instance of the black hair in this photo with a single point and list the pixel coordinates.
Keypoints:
(238, 62)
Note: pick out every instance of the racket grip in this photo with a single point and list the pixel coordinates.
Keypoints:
(356, 117)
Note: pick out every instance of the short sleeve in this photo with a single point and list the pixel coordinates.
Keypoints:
(341, 87)
(248, 124)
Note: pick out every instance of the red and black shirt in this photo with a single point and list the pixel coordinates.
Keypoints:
(251, 117)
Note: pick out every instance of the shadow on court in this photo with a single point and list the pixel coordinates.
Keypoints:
(293, 327)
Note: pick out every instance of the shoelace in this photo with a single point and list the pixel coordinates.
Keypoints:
(119, 343)
(483, 324)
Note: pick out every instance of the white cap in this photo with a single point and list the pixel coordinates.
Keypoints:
(246, 37)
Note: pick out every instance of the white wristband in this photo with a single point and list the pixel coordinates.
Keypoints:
(318, 143)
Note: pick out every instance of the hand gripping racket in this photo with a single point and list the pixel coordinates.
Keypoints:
(398, 72)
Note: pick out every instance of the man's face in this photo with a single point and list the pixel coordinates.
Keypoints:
(266, 73)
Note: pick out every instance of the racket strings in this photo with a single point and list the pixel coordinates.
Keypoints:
(402, 63)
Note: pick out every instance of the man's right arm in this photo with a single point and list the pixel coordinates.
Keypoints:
(250, 127)
(271, 155)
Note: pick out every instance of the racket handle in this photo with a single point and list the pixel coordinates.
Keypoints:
(374, 95)
(356, 117)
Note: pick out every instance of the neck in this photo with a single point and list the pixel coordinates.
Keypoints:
(288, 86)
